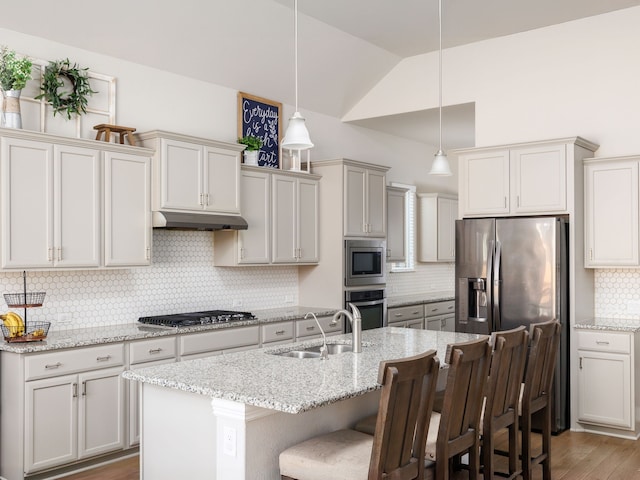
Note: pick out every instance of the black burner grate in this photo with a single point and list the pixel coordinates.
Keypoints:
(196, 318)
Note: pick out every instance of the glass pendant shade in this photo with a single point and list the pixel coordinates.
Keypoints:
(297, 136)
(440, 165)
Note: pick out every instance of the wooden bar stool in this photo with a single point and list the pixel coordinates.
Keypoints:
(397, 448)
(536, 395)
(106, 129)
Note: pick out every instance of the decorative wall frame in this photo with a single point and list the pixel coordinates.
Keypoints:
(38, 115)
(261, 118)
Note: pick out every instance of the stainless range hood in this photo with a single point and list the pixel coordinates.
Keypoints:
(198, 221)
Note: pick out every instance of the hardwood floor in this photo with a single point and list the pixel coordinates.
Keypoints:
(574, 456)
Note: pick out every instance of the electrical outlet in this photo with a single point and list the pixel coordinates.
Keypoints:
(64, 318)
(229, 441)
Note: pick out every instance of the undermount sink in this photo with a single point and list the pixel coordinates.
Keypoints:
(314, 352)
(332, 348)
(300, 354)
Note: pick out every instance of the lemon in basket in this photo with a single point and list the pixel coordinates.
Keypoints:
(13, 323)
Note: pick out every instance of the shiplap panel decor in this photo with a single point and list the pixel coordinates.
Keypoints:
(38, 115)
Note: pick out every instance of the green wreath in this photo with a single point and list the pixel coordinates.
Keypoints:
(62, 101)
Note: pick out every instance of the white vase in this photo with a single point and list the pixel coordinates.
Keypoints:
(11, 117)
(251, 157)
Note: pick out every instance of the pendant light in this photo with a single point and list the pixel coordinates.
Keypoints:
(440, 164)
(297, 136)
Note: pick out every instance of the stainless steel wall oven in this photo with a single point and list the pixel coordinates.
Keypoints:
(372, 305)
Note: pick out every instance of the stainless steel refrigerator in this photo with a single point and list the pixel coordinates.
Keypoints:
(512, 272)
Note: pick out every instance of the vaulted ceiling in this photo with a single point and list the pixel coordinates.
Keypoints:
(345, 46)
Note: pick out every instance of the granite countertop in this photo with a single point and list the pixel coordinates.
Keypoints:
(82, 337)
(293, 385)
(611, 324)
(418, 298)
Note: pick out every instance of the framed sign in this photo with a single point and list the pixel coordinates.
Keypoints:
(261, 118)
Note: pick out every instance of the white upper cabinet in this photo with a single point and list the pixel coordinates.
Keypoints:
(281, 210)
(50, 205)
(611, 212)
(437, 213)
(194, 174)
(294, 220)
(396, 224)
(72, 203)
(127, 209)
(522, 179)
(364, 202)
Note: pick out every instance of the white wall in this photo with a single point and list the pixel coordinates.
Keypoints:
(182, 277)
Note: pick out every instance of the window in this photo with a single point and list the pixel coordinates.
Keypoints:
(410, 233)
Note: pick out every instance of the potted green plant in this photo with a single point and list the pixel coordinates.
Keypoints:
(15, 72)
(253, 145)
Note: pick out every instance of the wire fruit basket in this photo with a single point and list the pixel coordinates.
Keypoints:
(30, 332)
(24, 299)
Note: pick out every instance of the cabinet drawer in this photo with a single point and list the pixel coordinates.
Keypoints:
(274, 332)
(222, 339)
(153, 349)
(400, 314)
(308, 326)
(604, 341)
(439, 308)
(73, 361)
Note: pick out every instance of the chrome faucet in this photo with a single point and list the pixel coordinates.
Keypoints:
(324, 351)
(356, 325)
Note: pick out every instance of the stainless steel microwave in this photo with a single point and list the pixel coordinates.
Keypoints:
(364, 262)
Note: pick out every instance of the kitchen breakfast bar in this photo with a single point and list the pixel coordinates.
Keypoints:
(228, 417)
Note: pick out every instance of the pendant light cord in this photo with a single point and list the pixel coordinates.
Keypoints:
(295, 47)
(439, 69)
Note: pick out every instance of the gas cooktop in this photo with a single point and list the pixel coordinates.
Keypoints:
(196, 318)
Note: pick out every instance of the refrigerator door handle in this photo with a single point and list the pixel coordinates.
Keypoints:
(496, 287)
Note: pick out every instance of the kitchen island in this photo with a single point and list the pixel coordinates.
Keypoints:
(228, 417)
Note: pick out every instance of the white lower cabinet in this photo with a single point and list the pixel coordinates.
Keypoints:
(307, 328)
(73, 417)
(411, 316)
(440, 316)
(607, 394)
(216, 342)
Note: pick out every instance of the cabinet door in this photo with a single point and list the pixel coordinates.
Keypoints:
(448, 323)
(354, 201)
(77, 219)
(376, 210)
(611, 214)
(222, 185)
(254, 243)
(539, 179)
(51, 422)
(127, 209)
(26, 173)
(283, 214)
(307, 221)
(447, 214)
(181, 164)
(396, 224)
(604, 389)
(101, 412)
(484, 183)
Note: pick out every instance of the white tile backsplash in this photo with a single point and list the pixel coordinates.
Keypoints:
(617, 293)
(181, 278)
(427, 277)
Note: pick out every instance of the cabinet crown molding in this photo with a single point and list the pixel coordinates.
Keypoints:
(157, 134)
(347, 161)
(579, 141)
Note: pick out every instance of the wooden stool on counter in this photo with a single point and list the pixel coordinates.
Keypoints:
(121, 131)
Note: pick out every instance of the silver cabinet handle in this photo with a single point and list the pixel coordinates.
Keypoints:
(154, 350)
(84, 389)
(103, 359)
(279, 332)
(311, 327)
(333, 323)
(75, 390)
(580, 363)
(416, 312)
(53, 365)
(398, 315)
(602, 342)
